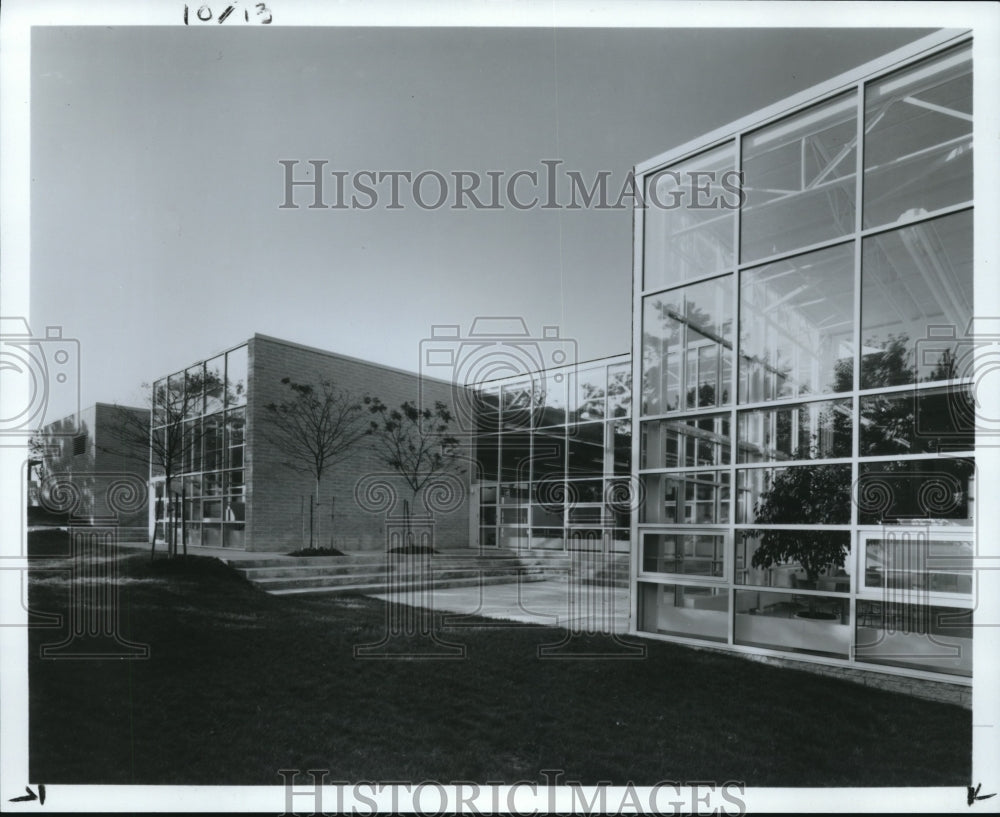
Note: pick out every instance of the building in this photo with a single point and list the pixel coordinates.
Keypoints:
(803, 427)
(93, 466)
(233, 485)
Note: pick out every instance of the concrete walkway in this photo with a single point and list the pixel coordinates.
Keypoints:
(581, 608)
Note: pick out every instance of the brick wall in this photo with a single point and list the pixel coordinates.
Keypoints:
(278, 496)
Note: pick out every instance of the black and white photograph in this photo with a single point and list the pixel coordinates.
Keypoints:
(499, 407)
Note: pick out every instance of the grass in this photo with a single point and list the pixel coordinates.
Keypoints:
(240, 684)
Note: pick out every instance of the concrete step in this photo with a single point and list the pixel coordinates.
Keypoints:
(384, 579)
(380, 588)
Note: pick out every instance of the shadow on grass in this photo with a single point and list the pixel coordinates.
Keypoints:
(240, 684)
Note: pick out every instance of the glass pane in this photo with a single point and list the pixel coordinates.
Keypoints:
(911, 560)
(811, 431)
(586, 451)
(699, 554)
(586, 515)
(548, 459)
(513, 538)
(517, 405)
(515, 457)
(799, 179)
(514, 493)
(547, 539)
(487, 408)
(233, 536)
(587, 539)
(514, 515)
(173, 402)
(798, 495)
(547, 516)
(159, 402)
(937, 639)
(689, 498)
(236, 376)
(799, 560)
(941, 489)
(917, 302)
(675, 609)
(584, 490)
(213, 442)
(589, 393)
(918, 422)
(918, 139)
(622, 445)
(487, 457)
(685, 237)
(488, 537)
(620, 390)
(551, 400)
(797, 326)
(215, 384)
(683, 443)
(194, 391)
(687, 348)
(794, 623)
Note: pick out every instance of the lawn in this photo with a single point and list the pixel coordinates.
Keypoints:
(240, 684)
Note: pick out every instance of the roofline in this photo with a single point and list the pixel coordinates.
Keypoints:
(938, 40)
(350, 358)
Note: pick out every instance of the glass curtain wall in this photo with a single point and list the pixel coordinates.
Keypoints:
(199, 434)
(554, 458)
(805, 439)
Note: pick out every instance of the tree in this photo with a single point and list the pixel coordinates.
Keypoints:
(161, 433)
(315, 426)
(415, 443)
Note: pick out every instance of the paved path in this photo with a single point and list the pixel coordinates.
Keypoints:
(553, 602)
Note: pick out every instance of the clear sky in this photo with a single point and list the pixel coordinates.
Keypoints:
(157, 237)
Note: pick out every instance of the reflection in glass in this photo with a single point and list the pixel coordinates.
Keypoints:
(695, 441)
(622, 447)
(935, 639)
(800, 179)
(687, 348)
(911, 560)
(487, 408)
(804, 432)
(620, 390)
(589, 391)
(517, 400)
(797, 495)
(194, 391)
(909, 422)
(487, 457)
(692, 611)
(916, 302)
(818, 625)
(215, 384)
(942, 489)
(799, 560)
(918, 139)
(797, 326)
(684, 242)
(236, 376)
(551, 399)
(700, 554)
(700, 497)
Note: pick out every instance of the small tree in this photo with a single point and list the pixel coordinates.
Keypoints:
(171, 401)
(315, 426)
(415, 443)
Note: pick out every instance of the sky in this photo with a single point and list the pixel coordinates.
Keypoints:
(157, 236)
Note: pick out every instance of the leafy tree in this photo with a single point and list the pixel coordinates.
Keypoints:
(416, 443)
(315, 426)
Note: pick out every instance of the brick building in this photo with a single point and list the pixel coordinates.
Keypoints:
(234, 486)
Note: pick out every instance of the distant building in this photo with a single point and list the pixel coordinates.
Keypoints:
(97, 451)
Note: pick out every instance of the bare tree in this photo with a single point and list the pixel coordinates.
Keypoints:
(159, 440)
(416, 443)
(316, 426)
